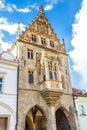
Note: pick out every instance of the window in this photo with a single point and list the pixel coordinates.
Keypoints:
(82, 112)
(34, 38)
(1, 79)
(31, 78)
(50, 70)
(3, 123)
(43, 42)
(51, 44)
(55, 72)
(55, 76)
(30, 54)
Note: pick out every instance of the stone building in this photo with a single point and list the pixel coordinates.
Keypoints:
(45, 95)
(8, 90)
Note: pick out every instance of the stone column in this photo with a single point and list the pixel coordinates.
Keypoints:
(73, 119)
(21, 122)
(51, 123)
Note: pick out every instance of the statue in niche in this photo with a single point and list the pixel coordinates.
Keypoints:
(40, 66)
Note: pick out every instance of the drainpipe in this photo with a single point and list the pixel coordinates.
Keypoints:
(74, 98)
(17, 97)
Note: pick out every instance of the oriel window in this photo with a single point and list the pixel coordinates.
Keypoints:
(31, 77)
(30, 54)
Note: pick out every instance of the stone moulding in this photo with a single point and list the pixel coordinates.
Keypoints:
(51, 95)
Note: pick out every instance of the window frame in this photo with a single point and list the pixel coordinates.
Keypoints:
(30, 54)
(51, 44)
(55, 71)
(8, 120)
(82, 112)
(34, 39)
(30, 76)
(43, 41)
(50, 70)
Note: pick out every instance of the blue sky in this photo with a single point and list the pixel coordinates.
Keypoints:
(67, 18)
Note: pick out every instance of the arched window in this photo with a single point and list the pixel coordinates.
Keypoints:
(50, 70)
(50, 75)
(55, 76)
(55, 72)
(31, 78)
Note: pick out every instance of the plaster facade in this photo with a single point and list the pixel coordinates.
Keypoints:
(81, 107)
(8, 91)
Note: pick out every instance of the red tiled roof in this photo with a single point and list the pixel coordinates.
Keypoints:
(79, 92)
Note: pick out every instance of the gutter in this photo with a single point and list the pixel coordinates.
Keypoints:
(17, 97)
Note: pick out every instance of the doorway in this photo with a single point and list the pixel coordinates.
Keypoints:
(35, 119)
(62, 122)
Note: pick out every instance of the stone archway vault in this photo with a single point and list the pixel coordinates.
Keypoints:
(35, 119)
(62, 120)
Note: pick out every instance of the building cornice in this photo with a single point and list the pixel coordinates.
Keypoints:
(8, 62)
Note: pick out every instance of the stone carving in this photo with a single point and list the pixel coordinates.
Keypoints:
(40, 66)
(41, 26)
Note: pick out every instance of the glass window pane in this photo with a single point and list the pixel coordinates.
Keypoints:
(31, 78)
(50, 75)
(0, 80)
(32, 55)
(1, 84)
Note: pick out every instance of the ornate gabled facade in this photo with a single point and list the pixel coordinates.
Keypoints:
(45, 94)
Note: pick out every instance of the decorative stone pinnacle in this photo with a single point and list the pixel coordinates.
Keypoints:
(41, 9)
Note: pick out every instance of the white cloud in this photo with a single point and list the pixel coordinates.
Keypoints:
(11, 7)
(79, 42)
(23, 10)
(48, 7)
(4, 45)
(50, 4)
(9, 27)
(2, 5)
(51, 1)
(34, 6)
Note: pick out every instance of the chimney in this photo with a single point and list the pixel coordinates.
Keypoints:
(18, 30)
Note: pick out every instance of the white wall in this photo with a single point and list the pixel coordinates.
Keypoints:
(82, 118)
(8, 96)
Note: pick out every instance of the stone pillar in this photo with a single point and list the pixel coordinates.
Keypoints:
(73, 119)
(51, 123)
(21, 122)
